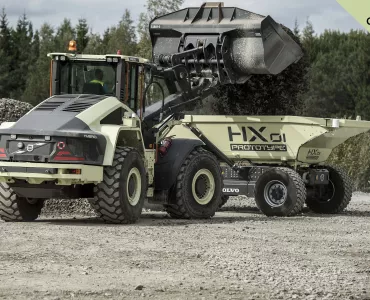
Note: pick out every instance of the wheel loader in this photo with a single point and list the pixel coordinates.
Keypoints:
(111, 140)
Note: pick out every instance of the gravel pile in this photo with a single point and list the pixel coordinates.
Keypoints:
(11, 110)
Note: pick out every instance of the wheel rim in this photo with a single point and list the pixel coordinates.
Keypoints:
(133, 186)
(203, 186)
(275, 193)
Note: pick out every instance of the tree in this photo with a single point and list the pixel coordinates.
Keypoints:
(5, 55)
(35, 47)
(37, 88)
(308, 39)
(65, 33)
(296, 30)
(95, 44)
(21, 56)
(82, 30)
(154, 8)
(339, 78)
(122, 37)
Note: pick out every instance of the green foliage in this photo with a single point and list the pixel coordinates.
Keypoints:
(339, 76)
(154, 8)
(354, 156)
(82, 38)
(22, 38)
(37, 88)
(65, 33)
(122, 37)
(5, 55)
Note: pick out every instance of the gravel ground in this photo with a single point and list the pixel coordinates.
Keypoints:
(239, 254)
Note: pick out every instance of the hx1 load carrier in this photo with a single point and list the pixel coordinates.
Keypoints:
(108, 141)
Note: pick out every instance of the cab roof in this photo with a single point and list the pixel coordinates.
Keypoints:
(93, 57)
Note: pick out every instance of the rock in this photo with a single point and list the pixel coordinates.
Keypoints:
(139, 287)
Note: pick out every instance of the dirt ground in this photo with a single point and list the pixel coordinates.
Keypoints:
(239, 254)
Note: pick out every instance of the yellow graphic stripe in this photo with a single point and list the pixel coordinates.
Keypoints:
(359, 9)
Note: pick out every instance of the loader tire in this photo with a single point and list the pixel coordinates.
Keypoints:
(17, 209)
(224, 200)
(119, 198)
(337, 194)
(198, 188)
(280, 192)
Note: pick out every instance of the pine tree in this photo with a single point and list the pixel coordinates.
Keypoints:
(308, 39)
(5, 56)
(154, 8)
(296, 30)
(122, 37)
(35, 50)
(95, 44)
(21, 56)
(65, 33)
(37, 88)
(82, 30)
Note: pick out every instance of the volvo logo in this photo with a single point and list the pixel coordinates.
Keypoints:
(230, 190)
(29, 148)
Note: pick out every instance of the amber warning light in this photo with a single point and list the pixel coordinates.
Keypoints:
(72, 46)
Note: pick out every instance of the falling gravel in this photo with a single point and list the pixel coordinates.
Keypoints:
(238, 254)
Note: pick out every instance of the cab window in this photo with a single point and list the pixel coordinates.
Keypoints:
(82, 77)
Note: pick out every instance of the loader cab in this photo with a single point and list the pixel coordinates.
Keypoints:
(124, 77)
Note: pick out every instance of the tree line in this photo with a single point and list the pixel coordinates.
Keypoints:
(333, 79)
(24, 65)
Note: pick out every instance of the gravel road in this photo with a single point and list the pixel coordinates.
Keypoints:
(239, 254)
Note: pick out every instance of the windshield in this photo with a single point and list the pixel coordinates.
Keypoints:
(87, 77)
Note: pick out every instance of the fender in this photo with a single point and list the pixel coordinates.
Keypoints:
(117, 135)
(167, 168)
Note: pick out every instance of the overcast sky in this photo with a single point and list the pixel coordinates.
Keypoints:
(325, 14)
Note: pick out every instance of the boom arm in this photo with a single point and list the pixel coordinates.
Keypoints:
(197, 49)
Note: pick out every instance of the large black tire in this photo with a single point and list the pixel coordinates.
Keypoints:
(224, 200)
(280, 192)
(337, 194)
(197, 191)
(120, 197)
(18, 209)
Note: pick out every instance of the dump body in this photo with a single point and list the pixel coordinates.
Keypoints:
(272, 139)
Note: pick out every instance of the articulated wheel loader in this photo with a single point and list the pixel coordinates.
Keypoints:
(105, 132)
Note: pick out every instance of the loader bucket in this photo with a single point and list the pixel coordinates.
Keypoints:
(233, 43)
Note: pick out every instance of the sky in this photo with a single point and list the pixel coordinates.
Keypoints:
(101, 14)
